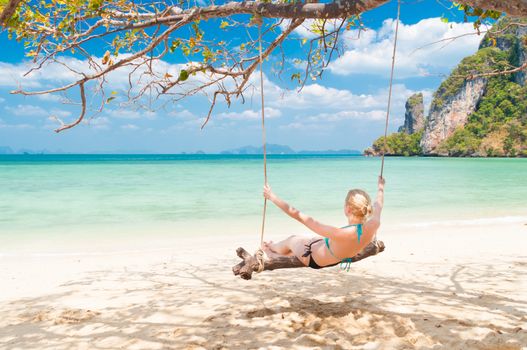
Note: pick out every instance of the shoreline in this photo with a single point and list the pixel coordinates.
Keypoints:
(133, 238)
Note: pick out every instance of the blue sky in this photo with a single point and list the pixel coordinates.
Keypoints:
(345, 109)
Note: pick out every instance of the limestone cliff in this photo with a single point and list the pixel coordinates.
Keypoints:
(450, 113)
(414, 117)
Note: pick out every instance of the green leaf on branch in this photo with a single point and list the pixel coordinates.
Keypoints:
(95, 5)
(106, 57)
(296, 77)
(175, 45)
(183, 75)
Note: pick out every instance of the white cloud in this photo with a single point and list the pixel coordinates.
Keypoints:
(101, 123)
(3, 125)
(327, 121)
(123, 114)
(16, 75)
(130, 114)
(129, 127)
(250, 114)
(60, 113)
(50, 98)
(324, 108)
(27, 111)
(371, 52)
(304, 126)
(2, 100)
(37, 111)
(347, 115)
(316, 96)
(184, 114)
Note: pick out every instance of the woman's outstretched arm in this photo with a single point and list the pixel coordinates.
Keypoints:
(379, 202)
(312, 224)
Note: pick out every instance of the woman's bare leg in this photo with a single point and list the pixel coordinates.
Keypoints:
(283, 247)
(293, 245)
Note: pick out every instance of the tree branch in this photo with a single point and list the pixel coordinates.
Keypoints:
(502, 72)
(291, 10)
(9, 11)
(510, 7)
(81, 116)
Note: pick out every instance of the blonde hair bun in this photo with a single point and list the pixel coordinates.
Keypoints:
(359, 203)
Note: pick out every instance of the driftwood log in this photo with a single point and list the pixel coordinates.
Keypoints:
(249, 263)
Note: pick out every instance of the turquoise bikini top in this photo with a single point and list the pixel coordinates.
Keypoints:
(345, 263)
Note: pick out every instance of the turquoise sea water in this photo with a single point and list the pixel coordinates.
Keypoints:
(65, 196)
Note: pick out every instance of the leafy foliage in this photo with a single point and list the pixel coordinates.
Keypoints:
(480, 14)
(415, 99)
(485, 60)
(399, 144)
(460, 144)
(505, 101)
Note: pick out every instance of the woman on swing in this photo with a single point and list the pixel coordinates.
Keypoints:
(336, 244)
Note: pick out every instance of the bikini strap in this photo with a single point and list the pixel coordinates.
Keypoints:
(326, 240)
(359, 230)
(308, 246)
(345, 264)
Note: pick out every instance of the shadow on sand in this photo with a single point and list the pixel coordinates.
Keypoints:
(181, 306)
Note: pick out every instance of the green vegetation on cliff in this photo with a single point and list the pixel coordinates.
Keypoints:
(498, 127)
(486, 60)
(461, 143)
(415, 99)
(399, 144)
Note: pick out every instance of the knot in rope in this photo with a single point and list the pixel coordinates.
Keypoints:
(260, 257)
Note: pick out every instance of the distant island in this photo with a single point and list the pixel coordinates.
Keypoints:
(247, 150)
(282, 149)
(482, 116)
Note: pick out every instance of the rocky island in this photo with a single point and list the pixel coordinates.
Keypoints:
(474, 112)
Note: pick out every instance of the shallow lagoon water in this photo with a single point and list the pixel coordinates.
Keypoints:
(63, 197)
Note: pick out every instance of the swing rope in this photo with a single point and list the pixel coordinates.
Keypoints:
(391, 84)
(259, 253)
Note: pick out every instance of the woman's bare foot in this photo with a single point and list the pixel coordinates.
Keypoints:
(268, 247)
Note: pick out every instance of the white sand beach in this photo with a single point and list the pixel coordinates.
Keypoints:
(442, 287)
